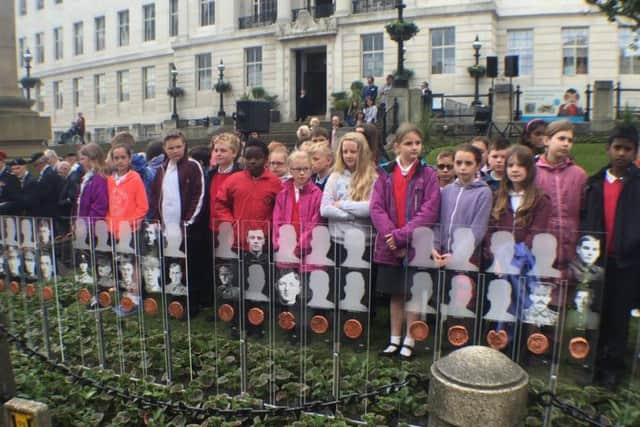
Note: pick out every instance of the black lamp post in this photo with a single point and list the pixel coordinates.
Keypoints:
(27, 65)
(221, 113)
(400, 80)
(174, 85)
(476, 94)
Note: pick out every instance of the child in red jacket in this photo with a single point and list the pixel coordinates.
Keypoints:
(246, 198)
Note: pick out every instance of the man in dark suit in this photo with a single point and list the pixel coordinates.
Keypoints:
(27, 197)
(9, 187)
(49, 187)
(303, 106)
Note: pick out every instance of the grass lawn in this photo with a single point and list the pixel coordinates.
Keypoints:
(591, 157)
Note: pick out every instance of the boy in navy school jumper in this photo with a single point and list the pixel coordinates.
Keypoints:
(612, 203)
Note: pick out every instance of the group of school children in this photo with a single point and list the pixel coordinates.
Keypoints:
(525, 188)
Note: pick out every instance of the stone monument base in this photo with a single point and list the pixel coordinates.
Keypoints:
(23, 130)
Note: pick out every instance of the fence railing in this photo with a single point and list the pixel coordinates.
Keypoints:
(261, 20)
(619, 107)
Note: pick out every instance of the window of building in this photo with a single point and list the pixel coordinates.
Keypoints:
(22, 43)
(207, 12)
(57, 95)
(173, 18)
(22, 7)
(58, 1)
(99, 30)
(123, 85)
(443, 50)
(575, 50)
(520, 42)
(100, 92)
(78, 38)
(148, 82)
(58, 43)
(39, 4)
(372, 54)
(39, 48)
(123, 28)
(253, 57)
(203, 71)
(629, 46)
(77, 91)
(149, 13)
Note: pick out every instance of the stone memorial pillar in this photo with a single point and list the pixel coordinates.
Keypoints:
(23, 130)
(22, 412)
(602, 113)
(477, 386)
(502, 102)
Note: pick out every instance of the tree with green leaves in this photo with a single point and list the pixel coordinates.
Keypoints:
(629, 9)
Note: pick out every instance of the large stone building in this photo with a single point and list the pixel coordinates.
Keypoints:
(111, 59)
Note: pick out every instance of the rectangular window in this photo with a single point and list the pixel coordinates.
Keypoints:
(99, 30)
(123, 28)
(77, 91)
(207, 12)
(149, 13)
(100, 93)
(443, 50)
(22, 6)
(78, 38)
(39, 48)
(148, 82)
(629, 47)
(520, 42)
(253, 57)
(22, 43)
(372, 54)
(39, 4)
(57, 95)
(575, 50)
(123, 85)
(58, 41)
(203, 71)
(173, 18)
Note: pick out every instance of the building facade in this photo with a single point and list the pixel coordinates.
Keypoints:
(112, 60)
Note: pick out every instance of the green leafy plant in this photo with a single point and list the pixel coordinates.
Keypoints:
(404, 30)
(222, 86)
(407, 74)
(477, 70)
(258, 92)
(29, 82)
(340, 100)
(175, 92)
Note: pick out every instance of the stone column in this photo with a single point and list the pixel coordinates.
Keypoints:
(8, 66)
(343, 8)
(502, 103)
(284, 12)
(602, 113)
(477, 386)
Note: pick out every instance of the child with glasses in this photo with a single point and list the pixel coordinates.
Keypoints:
(298, 205)
(444, 166)
(278, 163)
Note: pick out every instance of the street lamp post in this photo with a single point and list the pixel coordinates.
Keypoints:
(476, 47)
(174, 85)
(221, 113)
(27, 65)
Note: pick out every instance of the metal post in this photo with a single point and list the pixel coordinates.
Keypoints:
(395, 115)
(490, 102)
(587, 111)
(618, 90)
(221, 112)
(27, 65)
(476, 94)
(518, 114)
(174, 85)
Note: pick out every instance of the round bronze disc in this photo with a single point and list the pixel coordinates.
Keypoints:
(150, 306)
(226, 312)
(47, 293)
(30, 290)
(538, 343)
(14, 287)
(419, 330)
(1, 285)
(84, 296)
(458, 335)
(579, 347)
(176, 310)
(319, 324)
(255, 316)
(497, 340)
(104, 299)
(286, 320)
(352, 328)
(127, 304)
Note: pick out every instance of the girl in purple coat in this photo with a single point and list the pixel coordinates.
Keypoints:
(93, 197)
(406, 195)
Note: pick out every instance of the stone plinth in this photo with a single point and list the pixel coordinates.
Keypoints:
(18, 411)
(602, 112)
(477, 386)
(502, 102)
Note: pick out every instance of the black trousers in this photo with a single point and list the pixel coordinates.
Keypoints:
(621, 294)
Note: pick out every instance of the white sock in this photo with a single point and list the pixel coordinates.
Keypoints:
(408, 342)
(394, 340)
